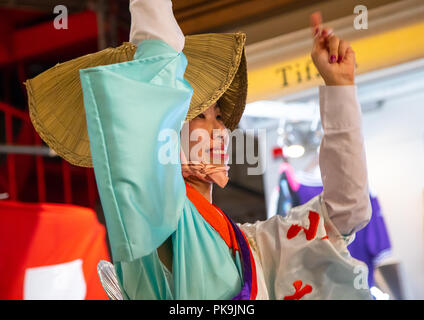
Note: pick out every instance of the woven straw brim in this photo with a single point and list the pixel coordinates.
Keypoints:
(216, 70)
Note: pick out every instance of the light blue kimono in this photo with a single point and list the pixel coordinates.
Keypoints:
(144, 202)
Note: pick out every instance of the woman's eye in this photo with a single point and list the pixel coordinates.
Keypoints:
(219, 117)
(201, 116)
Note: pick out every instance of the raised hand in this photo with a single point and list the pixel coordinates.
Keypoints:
(333, 57)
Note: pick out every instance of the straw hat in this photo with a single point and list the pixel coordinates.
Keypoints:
(216, 70)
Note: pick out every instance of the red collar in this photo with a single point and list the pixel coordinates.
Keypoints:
(219, 221)
(213, 216)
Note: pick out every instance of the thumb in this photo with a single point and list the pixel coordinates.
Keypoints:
(350, 55)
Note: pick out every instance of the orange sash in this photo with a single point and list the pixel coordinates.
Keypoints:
(222, 224)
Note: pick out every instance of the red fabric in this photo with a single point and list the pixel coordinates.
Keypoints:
(300, 292)
(43, 40)
(310, 232)
(213, 217)
(45, 234)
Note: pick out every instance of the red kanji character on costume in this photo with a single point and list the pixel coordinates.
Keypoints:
(300, 292)
(309, 232)
(326, 234)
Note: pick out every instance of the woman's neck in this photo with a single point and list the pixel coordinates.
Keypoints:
(205, 188)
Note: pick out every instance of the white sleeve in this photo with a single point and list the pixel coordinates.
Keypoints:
(305, 248)
(154, 19)
(342, 159)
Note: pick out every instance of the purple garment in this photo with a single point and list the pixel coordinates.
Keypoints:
(306, 193)
(246, 289)
(371, 242)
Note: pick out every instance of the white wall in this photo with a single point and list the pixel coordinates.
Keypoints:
(394, 139)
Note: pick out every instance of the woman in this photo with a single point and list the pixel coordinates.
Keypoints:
(168, 240)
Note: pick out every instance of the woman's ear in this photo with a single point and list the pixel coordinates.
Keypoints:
(184, 137)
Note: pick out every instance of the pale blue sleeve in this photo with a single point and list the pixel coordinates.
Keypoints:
(128, 105)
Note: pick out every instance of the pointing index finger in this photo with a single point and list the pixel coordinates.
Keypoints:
(316, 21)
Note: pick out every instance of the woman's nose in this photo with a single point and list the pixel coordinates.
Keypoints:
(219, 133)
(217, 129)
(217, 124)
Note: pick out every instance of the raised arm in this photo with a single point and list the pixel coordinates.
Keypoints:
(342, 159)
(132, 109)
(342, 153)
(154, 19)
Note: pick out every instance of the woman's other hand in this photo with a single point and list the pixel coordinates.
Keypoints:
(333, 57)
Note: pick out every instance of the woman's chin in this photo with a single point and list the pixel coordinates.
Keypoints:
(218, 162)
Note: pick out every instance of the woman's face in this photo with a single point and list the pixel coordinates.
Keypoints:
(208, 137)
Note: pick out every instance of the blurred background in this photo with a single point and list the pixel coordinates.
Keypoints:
(52, 231)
